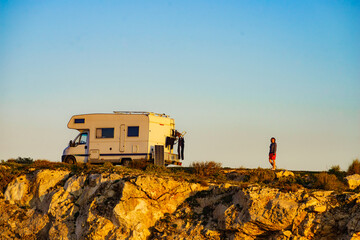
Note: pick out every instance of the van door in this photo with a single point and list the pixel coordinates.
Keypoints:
(122, 137)
(80, 149)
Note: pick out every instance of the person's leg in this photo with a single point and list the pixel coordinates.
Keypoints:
(274, 165)
(178, 151)
(182, 152)
(271, 162)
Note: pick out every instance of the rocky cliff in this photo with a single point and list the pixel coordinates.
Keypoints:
(54, 204)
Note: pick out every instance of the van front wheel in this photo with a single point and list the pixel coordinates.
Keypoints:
(70, 159)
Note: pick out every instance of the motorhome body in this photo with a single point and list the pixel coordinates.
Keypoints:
(122, 137)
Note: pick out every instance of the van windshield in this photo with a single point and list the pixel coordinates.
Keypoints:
(81, 139)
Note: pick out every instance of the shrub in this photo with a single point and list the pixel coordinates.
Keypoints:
(335, 170)
(21, 160)
(138, 164)
(108, 165)
(6, 177)
(45, 164)
(206, 168)
(151, 168)
(293, 187)
(354, 168)
(328, 182)
(262, 175)
(306, 180)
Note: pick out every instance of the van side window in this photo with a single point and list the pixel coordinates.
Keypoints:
(79, 120)
(133, 131)
(105, 133)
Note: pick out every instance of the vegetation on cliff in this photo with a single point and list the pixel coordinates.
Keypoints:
(204, 173)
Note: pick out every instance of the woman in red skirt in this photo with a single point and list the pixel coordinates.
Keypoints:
(272, 153)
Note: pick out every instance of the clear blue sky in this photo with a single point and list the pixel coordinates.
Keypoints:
(231, 73)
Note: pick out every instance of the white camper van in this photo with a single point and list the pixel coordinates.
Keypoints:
(122, 137)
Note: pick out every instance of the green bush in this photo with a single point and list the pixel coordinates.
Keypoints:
(354, 168)
(206, 169)
(21, 160)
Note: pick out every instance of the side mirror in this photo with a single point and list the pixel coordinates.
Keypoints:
(70, 143)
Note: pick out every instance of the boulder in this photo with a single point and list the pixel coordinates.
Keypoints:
(319, 209)
(47, 179)
(146, 199)
(353, 181)
(75, 185)
(32, 188)
(126, 209)
(284, 173)
(18, 190)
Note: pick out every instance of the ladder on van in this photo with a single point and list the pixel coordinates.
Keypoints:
(159, 159)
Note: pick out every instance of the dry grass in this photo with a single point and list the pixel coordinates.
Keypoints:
(206, 169)
(151, 168)
(354, 168)
(204, 173)
(45, 164)
(6, 177)
(290, 187)
(138, 164)
(261, 175)
(328, 182)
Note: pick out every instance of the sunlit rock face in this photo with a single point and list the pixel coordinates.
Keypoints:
(95, 206)
(51, 204)
(353, 181)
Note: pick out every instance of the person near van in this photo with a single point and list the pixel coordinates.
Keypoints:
(272, 153)
(181, 146)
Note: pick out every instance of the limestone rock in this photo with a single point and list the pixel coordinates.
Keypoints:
(146, 199)
(319, 209)
(19, 223)
(18, 190)
(75, 184)
(31, 189)
(51, 205)
(353, 181)
(47, 179)
(284, 173)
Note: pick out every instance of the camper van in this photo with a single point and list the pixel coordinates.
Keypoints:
(121, 137)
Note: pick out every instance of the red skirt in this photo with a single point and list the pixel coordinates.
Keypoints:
(272, 156)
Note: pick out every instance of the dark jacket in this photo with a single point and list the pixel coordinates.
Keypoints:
(181, 141)
(273, 147)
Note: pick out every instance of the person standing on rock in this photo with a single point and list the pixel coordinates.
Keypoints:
(272, 153)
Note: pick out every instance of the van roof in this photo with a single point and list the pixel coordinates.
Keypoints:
(141, 113)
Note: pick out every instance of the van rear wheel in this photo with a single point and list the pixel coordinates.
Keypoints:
(70, 159)
(126, 162)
